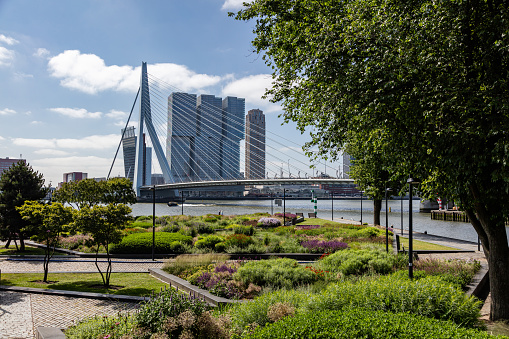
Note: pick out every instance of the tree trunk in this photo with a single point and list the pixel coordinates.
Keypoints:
(8, 243)
(21, 243)
(377, 207)
(498, 263)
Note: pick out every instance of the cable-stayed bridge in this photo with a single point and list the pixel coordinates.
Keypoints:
(204, 149)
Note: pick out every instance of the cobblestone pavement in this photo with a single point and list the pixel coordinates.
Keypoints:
(21, 313)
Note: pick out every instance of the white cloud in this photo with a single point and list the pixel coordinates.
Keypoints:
(37, 122)
(7, 111)
(252, 88)
(115, 114)
(8, 40)
(41, 53)
(6, 56)
(233, 4)
(89, 73)
(53, 152)
(78, 113)
(93, 142)
(19, 75)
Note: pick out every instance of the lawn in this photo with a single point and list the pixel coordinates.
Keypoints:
(28, 251)
(424, 246)
(136, 284)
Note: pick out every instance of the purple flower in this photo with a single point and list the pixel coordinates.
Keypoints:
(307, 227)
(320, 246)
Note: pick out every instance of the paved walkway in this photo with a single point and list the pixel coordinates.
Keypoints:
(21, 313)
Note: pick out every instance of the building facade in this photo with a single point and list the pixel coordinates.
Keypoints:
(255, 144)
(6, 163)
(129, 150)
(204, 134)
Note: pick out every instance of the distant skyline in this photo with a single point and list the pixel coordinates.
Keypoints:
(70, 71)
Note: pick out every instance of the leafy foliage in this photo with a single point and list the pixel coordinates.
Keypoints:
(18, 184)
(141, 243)
(361, 323)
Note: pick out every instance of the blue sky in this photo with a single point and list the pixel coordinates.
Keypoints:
(70, 70)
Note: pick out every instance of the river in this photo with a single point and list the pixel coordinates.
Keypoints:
(346, 209)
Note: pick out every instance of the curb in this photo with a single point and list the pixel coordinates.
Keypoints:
(89, 295)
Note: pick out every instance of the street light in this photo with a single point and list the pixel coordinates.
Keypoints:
(153, 221)
(362, 193)
(386, 221)
(332, 207)
(182, 201)
(401, 215)
(284, 206)
(411, 181)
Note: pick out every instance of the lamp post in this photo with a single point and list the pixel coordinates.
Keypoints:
(386, 221)
(284, 206)
(401, 215)
(153, 221)
(362, 194)
(411, 181)
(182, 201)
(332, 207)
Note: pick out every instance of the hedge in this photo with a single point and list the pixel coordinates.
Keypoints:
(141, 243)
(359, 323)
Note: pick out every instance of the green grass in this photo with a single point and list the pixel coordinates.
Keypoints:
(318, 221)
(424, 246)
(28, 251)
(137, 284)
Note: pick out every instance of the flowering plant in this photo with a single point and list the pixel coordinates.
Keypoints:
(307, 227)
(322, 246)
(269, 222)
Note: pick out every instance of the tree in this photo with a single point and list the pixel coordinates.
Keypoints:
(18, 184)
(432, 74)
(89, 192)
(105, 225)
(46, 223)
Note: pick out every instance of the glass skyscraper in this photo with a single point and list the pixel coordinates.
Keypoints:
(204, 133)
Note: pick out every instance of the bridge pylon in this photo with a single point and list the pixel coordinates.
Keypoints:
(145, 121)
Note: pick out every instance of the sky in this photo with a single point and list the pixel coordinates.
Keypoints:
(70, 70)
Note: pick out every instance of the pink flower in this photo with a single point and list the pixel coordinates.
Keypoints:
(107, 336)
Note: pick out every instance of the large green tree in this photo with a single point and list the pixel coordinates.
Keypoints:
(432, 74)
(46, 222)
(18, 184)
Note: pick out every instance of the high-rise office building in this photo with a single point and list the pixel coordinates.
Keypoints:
(204, 136)
(346, 165)
(6, 163)
(233, 132)
(129, 149)
(255, 144)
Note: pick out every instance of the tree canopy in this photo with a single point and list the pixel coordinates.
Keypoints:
(18, 184)
(432, 75)
(89, 192)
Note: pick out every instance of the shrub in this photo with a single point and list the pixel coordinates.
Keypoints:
(211, 217)
(187, 261)
(269, 222)
(101, 327)
(239, 240)
(75, 241)
(320, 246)
(173, 228)
(141, 243)
(202, 228)
(281, 272)
(177, 247)
(288, 216)
(171, 312)
(143, 218)
(209, 241)
(246, 230)
(429, 296)
(307, 227)
(455, 271)
(220, 247)
(143, 224)
(256, 311)
(357, 262)
(359, 323)
(368, 232)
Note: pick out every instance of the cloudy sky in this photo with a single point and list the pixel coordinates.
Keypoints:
(70, 71)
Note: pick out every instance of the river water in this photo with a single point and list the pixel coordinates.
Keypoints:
(346, 209)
